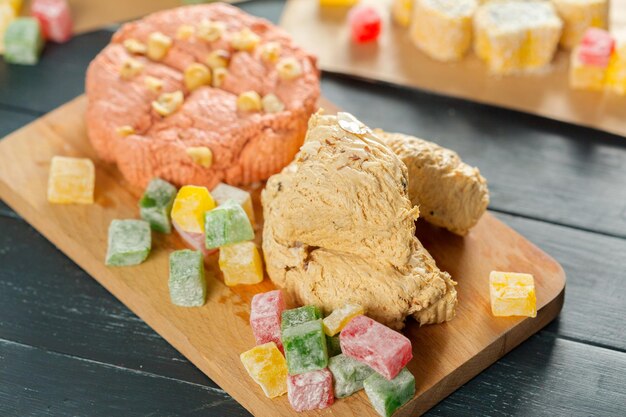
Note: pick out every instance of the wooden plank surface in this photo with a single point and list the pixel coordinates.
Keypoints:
(24, 162)
(393, 58)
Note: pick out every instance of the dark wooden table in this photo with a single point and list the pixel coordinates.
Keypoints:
(67, 347)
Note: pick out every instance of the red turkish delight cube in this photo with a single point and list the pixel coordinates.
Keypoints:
(54, 17)
(596, 47)
(383, 349)
(265, 314)
(310, 390)
(365, 24)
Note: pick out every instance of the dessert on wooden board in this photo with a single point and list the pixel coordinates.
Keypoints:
(179, 95)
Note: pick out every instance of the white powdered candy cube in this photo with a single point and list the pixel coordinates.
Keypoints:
(442, 29)
(516, 36)
(224, 192)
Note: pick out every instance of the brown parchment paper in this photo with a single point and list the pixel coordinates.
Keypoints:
(394, 59)
(94, 14)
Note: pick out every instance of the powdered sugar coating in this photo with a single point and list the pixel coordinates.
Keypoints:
(265, 314)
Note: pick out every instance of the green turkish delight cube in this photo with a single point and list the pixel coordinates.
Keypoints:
(129, 242)
(23, 41)
(305, 347)
(299, 315)
(333, 346)
(156, 204)
(387, 396)
(348, 374)
(187, 283)
(227, 224)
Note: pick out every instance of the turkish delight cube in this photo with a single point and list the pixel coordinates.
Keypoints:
(580, 15)
(387, 396)
(516, 36)
(311, 390)
(129, 242)
(187, 283)
(194, 241)
(333, 345)
(267, 367)
(189, 207)
(305, 347)
(224, 192)
(54, 17)
(241, 263)
(156, 204)
(365, 24)
(512, 294)
(338, 319)
(7, 15)
(616, 72)
(348, 374)
(442, 29)
(376, 345)
(265, 316)
(71, 180)
(300, 315)
(23, 41)
(227, 224)
(590, 59)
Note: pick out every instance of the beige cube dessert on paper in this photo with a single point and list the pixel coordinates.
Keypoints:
(71, 180)
(442, 29)
(580, 15)
(516, 36)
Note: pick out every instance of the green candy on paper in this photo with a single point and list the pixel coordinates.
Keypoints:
(227, 224)
(187, 283)
(348, 374)
(299, 315)
(305, 347)
(333, 346)
(387, 396)
(23, 41)
(156, 204)
(129, 242)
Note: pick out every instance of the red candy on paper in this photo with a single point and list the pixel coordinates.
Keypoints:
(54, 17)
(365, 24)
(596, 47)
(383, 349)
(265, 316)
(310, 390)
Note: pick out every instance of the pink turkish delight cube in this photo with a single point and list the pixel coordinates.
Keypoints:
(265, 316)
(383, 349)
(194, 241)
(54, 17)
(596, 47)
(310, 390)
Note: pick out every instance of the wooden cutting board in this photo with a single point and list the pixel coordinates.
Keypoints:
(212, 337)
(394, 59)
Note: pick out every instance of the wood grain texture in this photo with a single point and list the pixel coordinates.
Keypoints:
(393, 58)
(445, 356)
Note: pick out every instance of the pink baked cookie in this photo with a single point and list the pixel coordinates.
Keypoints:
(245, 146)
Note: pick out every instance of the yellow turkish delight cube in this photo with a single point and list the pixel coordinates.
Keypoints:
(401, 11)
(241, 264)
(339, 3)
(583, 76)
(189, 207)
(616, 72)
(338, 319)
(442, 29)
(71, 180)
(224, 192)
(7, 15)
(512, 294)
(267, 367)
(580, 15)
(516, 36)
